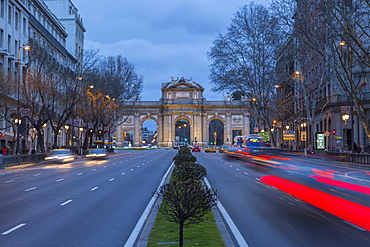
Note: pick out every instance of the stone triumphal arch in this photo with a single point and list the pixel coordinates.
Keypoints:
(182, 100)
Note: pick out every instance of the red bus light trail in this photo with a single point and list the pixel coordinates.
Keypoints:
(323, 173)
(350, 211)
(344, 185)
(274, 157)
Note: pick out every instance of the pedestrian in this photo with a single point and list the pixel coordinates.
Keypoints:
(4, 151)
(33, 151)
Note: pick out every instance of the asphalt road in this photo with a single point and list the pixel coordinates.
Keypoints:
(82, 203)
(266, 216)
(98, 203)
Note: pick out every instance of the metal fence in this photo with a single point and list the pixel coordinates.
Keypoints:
(7, 161)
(354, 158)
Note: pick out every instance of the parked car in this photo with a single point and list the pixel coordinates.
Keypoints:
(195, 148)
(60, 156)
(210, 149)
(97, 153)
(223, 148)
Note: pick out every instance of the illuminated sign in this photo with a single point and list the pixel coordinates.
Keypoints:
(320, 140)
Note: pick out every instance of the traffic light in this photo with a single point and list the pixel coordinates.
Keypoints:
(185, 139)
(210, 143)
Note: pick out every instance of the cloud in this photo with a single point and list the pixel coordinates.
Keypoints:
(162, 38)
(159, 62)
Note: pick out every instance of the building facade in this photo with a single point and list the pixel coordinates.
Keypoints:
(32, 37)
(182, 102)
(322, 77)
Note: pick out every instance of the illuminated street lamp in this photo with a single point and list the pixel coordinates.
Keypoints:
(215, 136)
(303, 135)
(345, 118)
(19, 77)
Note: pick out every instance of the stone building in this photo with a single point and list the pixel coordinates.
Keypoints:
(182, 102)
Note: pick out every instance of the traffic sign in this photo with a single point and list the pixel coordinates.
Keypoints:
(1, 134)
(334, 131)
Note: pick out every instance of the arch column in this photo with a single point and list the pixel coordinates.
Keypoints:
(205, 134)
(247, 127)
(227, 130)
(159, 130)
(137, 130)
(119, 136)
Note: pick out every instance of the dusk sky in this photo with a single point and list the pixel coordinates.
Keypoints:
(163, 38)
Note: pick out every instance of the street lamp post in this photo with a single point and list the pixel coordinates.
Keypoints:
(287, 129)
(345, 118)
(304, 136)
(19, 78)
(66, 127)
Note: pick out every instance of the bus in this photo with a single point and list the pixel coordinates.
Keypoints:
(252, 140)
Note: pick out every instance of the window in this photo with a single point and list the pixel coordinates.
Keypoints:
(24, 26)
(16, 20)
(9, 43)
(1, 38)
(2, 10)
(10, 15)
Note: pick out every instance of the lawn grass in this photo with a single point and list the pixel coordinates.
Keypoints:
(165, 233)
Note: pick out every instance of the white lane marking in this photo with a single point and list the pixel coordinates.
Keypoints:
(105, 166)
(8, 181)
(237, 169)
(110, 180)
(93, 170)
(138, 166)
(13, 229)
(234, 229)
(79, 174)
(135, 233)
(246, 173)
(38, 174)
(257, 179)
(231, 166)
(59, 180)
(95, 188)
(351, 224)
(131, 169)
(33, 188)
(123, 173)
(66, 202)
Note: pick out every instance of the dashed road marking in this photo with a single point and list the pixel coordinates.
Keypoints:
(66, 202)
(33, 188)
(95, 188)
(13, 229)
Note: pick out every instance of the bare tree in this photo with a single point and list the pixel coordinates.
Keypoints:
(110, 83)
(243, 60)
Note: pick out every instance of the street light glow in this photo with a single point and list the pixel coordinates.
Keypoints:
(345, 117)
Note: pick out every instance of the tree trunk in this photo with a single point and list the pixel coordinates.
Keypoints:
(181, 234)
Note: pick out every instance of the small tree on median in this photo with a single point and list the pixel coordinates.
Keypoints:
(185, 203)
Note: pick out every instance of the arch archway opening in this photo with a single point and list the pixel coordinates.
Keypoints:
(216, 132)
(149, 133)
(182, 132)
